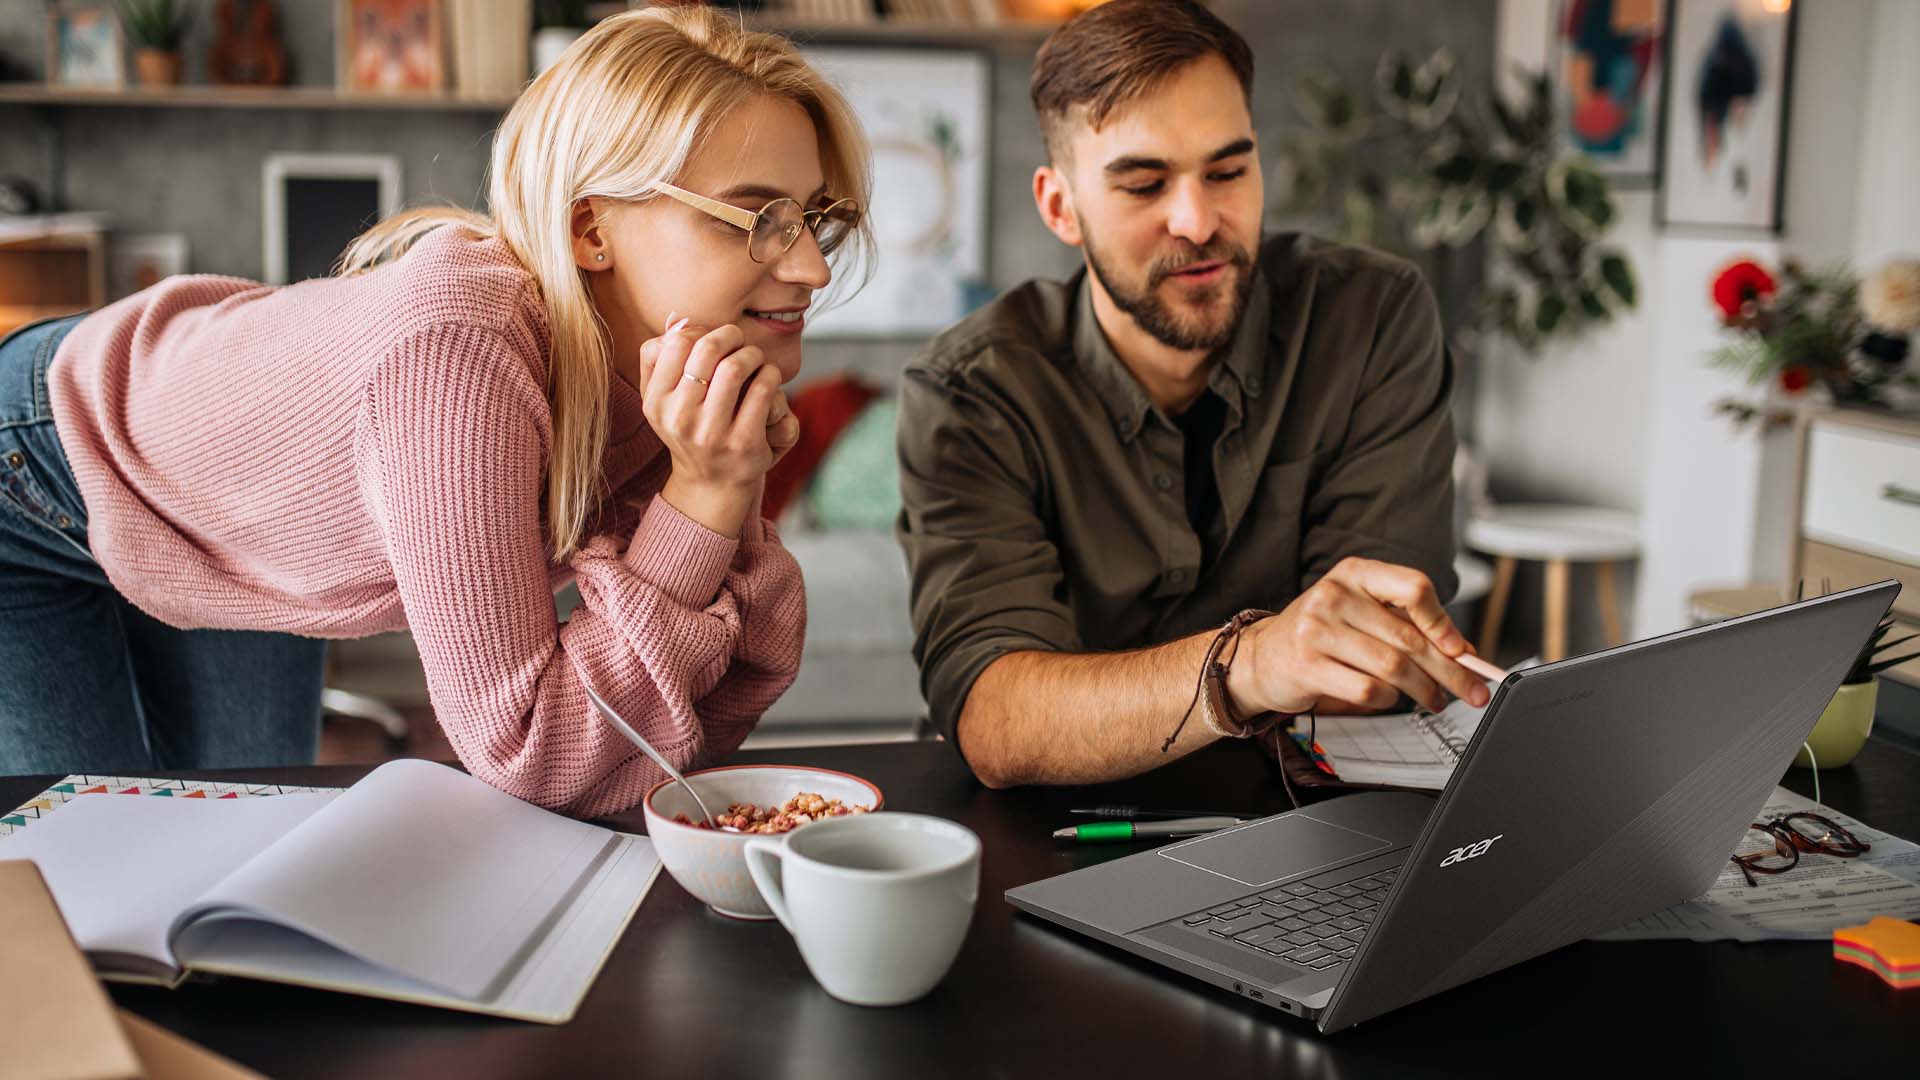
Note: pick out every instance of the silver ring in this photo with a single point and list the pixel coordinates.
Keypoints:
(690, 375)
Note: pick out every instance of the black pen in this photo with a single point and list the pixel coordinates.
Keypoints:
(1131, 812)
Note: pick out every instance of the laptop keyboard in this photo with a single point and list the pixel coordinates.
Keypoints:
(1314, 927)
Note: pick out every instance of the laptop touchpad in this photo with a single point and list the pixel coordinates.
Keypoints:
(1273, 850)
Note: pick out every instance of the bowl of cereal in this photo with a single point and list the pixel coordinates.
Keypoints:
(747, 801)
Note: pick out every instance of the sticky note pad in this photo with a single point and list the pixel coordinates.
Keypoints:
(1890, 948)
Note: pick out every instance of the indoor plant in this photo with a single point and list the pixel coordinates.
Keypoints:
(1421, 171)
(1848, 719)
(1797, 330)
(155, 28)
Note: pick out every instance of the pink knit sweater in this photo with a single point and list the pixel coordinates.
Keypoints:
(352, 455)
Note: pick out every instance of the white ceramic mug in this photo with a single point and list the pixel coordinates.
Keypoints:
(878, 903)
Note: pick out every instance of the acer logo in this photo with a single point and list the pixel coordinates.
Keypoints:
(1471, 851)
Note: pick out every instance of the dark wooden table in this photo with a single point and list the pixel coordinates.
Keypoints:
(687, 994)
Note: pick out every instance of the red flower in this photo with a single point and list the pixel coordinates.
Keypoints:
(1740, 283)
(1795, 379)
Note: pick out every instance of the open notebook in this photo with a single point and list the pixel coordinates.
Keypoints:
(419, 883)
(1415, 749)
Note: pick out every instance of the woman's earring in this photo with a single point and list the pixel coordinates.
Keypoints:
(600, 258)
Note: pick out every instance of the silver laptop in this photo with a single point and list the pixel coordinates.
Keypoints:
(1597, 790)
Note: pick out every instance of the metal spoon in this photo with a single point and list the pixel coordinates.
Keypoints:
(658, 758)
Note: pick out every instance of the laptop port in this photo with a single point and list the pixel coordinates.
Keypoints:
(1256, 994)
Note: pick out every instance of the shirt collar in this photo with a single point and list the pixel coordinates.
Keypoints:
(1240, 373)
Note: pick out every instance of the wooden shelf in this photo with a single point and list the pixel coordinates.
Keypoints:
(907, 32)
(241, 97)
(1022, 32)
(50, 265)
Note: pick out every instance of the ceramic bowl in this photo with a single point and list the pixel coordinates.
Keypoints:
(711, 864)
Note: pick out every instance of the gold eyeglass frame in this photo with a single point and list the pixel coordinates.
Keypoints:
(748, 220)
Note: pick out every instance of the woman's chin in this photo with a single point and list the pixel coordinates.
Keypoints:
(784, 355)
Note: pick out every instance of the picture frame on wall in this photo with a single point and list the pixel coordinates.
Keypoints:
(84, 49)
(390, 46)
(1607, 59)
(316, 204)
(928, 118)
(1731, 66)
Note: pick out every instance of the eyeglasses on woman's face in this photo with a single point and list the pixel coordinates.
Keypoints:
(775, 227)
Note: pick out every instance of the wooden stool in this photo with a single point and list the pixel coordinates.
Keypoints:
(1558, 535)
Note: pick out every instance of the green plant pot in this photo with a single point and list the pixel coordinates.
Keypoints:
(1843, 727)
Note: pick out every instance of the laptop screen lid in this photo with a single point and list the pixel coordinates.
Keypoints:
(1601, 789)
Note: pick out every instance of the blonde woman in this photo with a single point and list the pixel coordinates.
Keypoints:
(203, 480)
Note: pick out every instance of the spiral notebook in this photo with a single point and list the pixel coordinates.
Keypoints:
(1417, 749)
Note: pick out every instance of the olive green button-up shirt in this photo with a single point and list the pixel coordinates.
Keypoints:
(1043, 493)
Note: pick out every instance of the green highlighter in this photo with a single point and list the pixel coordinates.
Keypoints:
(1120, 832)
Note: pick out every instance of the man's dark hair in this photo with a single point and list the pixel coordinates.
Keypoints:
(1112, 55)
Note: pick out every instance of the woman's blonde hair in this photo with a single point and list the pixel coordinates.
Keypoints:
(625, 107)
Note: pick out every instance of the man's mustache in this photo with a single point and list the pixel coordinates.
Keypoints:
(1219, 251)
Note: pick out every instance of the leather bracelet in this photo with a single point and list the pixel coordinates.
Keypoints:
(1210, 692)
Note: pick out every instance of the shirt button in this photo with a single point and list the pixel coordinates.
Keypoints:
(1178, 577)
(1163, 482)
(16, 459)
(64, 521)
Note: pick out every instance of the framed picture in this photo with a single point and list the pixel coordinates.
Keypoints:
(1731, 62)
(390, 46)
(83, 47)
(138, 260)
(1608, 59)
(316, 204)
(926, 113)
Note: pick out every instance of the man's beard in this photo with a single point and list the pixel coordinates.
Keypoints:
(1159, 320)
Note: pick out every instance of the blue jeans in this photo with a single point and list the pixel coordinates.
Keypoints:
(90, 683)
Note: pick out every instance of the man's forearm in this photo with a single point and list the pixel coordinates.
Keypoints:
(1063, 718)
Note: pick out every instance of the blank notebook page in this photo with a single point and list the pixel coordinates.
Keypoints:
(122, 866)
(424, 871)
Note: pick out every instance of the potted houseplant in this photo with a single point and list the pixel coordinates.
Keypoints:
(1848, 719)
(155, 28)
(557, 24)
(1797, 330)
(1424, 168)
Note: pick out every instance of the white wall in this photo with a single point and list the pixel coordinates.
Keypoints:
(1889, 206)
(1623, 418)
